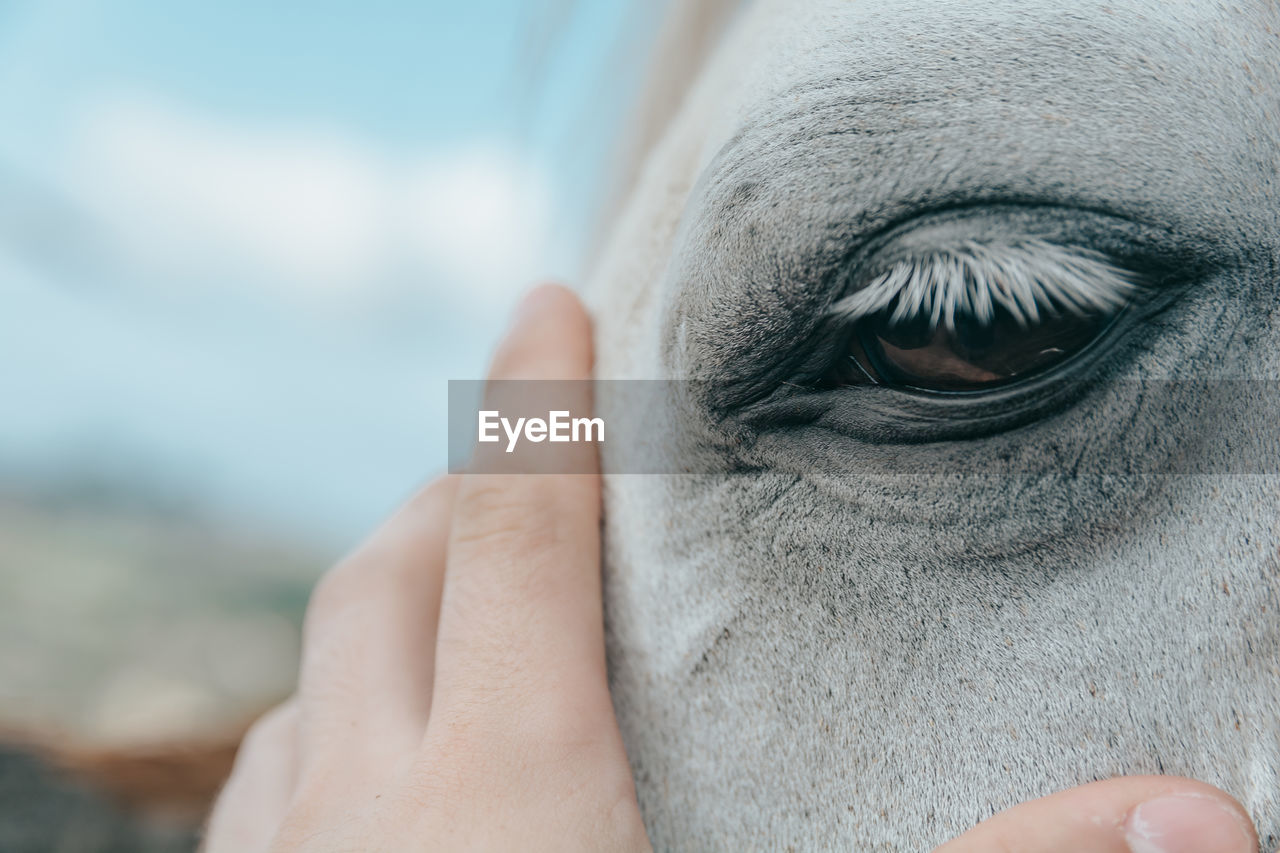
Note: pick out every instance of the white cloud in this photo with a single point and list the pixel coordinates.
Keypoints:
(479, 217)
(190, 197)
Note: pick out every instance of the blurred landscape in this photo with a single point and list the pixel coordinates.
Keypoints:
(135, 629)
(136, 644)
(243, 248)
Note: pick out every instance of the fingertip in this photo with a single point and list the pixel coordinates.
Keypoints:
(1192, 818)
(1136, 814)
(549, 338)
(435, 499)
(547, 296)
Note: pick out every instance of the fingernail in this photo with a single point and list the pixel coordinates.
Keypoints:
(1187, 823)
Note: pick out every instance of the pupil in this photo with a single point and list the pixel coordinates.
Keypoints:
(973, 335)
(908, 334)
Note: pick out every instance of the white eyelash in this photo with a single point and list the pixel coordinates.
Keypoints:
(1025, 278)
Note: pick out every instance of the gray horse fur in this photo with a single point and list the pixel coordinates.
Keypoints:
(869, 624)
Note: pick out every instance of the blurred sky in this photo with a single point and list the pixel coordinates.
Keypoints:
(244, 245)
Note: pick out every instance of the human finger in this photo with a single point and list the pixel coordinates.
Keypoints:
(368, 643)
(256, 796)
(521, 624)
(1136, 814)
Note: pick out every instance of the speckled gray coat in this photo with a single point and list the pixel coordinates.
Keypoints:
(871, 622)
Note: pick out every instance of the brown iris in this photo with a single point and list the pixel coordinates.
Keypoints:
(972, 356)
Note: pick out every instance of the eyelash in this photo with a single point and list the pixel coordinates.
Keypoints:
(1026, 278)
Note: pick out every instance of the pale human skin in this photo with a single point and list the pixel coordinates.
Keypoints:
(452, 693)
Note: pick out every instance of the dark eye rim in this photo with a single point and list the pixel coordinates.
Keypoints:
(1164, 261)
(896, 416)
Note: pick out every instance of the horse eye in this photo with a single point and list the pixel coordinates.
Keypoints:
(970, 355)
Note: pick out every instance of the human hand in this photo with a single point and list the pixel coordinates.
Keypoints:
(452, 692)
